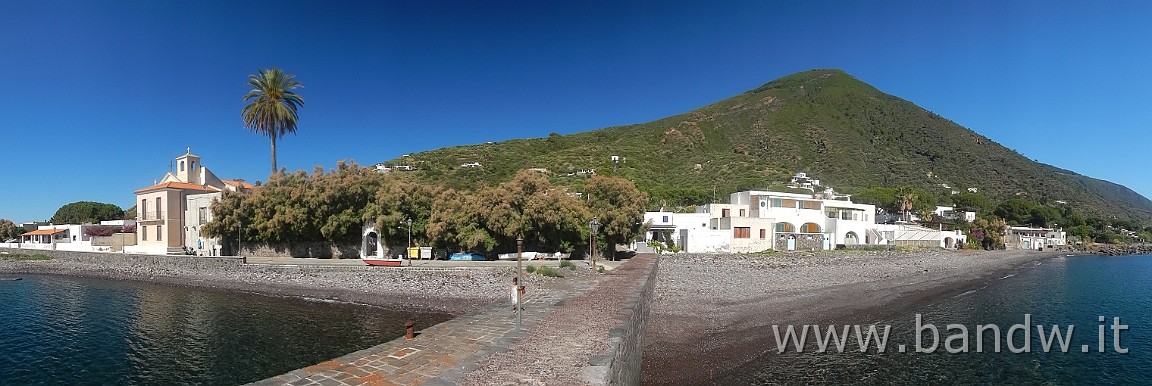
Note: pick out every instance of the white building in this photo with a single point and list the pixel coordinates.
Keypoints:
(1034, 238)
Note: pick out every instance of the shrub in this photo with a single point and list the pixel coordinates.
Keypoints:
(103, 230)
(567, 264)
(548, 271)
(530, 269)
(601, 269)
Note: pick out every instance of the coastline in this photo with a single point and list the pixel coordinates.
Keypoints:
(450, 291)
(716, 310)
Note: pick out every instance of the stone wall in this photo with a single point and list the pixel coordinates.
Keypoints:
(623, 364)
(317, 249)
(803, 241)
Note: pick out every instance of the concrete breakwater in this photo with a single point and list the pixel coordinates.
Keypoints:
(480, 346)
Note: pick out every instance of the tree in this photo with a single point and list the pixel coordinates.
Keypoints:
(456, 221)
(398, 200)
(87, 212)
(272, 105)
(906, 200)
(9, 230)
(619, 207)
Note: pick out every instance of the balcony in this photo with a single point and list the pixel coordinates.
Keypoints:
(157, 215)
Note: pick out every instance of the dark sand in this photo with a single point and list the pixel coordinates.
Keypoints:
(713, 313)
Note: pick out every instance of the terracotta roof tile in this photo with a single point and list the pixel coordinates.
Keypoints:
(179, 185)
(44, 232)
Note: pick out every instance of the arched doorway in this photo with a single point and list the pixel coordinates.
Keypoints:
(373, 246)
(949, 243)
(791, 242)
(851, 239)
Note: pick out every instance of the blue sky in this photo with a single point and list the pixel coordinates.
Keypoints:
(96, 97)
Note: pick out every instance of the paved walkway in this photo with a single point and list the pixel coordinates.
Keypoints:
(301, 261)
(441, 354)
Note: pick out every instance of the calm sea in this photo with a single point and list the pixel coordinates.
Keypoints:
(70, 331)
(1063, 291)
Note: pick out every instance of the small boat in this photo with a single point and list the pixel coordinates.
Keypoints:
(467, 257)
(525, 256)
(10, 278)
(383, 262)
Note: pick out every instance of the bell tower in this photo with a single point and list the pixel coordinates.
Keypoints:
(188, 168)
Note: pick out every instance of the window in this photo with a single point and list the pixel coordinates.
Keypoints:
(144, 233)
(784, 227)
(763, 234)
(743, 213)
(143, 211)
(831, 213)
(665, 217)
(159, 211)
(741, 232)
(777, 203)
(810, 228)
(181, 165)
(159, 232)
(810, 204)
(204, 215)
(725, 213)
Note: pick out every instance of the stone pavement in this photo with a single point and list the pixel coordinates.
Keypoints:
(440, 354)
(313, 262)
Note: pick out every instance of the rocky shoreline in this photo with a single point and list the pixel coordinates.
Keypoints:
(715, 310)
(452, 291)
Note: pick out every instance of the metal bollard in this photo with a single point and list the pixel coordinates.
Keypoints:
(409, 330)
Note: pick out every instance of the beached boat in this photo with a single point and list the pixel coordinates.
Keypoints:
(467, 257)
(372, 260)
(512, 256)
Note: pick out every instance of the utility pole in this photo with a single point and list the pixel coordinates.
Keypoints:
(519, 279)
(593, 225)
(409, 252)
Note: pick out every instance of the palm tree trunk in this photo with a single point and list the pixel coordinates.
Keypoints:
(273, 154)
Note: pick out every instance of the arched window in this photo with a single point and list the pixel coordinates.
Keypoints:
(784, 227)
(181, 165)
(810, 228)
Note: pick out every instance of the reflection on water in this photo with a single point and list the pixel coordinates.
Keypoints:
(1065, 291)
(65, 330)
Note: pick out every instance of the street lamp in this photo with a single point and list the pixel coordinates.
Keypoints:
(408, 252)
(593, 225)
(239, 228)
(519, 278)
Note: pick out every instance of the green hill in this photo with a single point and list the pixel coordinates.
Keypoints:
(823, 122)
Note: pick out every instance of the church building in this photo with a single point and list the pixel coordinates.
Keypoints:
(171, 212)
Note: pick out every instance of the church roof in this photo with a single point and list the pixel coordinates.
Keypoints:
(179, 185)
(239, 184)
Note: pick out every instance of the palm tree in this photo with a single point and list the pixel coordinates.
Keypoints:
(271, 108)
(906, 200)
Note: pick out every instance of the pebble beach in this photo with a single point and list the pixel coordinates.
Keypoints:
(715, 311)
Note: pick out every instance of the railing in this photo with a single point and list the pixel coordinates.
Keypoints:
(153, 215)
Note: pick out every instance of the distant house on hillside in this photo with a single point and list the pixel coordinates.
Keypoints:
(171, 212)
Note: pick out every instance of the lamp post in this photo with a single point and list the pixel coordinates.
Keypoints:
(239, 228)
(593, 226)
(409, 220)
(519, 278)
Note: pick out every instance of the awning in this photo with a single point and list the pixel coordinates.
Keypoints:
(44, 232)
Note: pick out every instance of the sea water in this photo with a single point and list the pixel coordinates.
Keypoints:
(1077, 291)
(68, 331)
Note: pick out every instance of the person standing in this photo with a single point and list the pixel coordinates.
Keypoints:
(516, 293)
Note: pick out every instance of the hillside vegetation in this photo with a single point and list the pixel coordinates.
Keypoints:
(823, 122)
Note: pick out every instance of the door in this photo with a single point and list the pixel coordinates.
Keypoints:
(791, 242)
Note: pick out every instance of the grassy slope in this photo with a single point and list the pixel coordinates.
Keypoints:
(824, 122)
